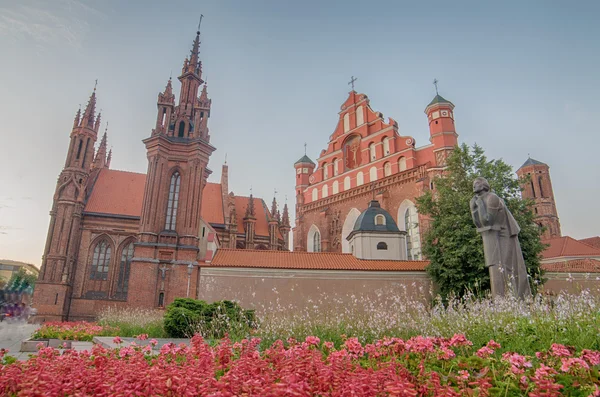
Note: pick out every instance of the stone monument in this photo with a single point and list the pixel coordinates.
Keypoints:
(500, 234)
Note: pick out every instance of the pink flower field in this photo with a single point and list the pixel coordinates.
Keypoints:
(419, 366)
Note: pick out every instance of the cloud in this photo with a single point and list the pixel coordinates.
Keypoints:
(47, 23)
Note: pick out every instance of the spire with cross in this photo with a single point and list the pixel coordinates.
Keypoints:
(352, 80)
(435, 83)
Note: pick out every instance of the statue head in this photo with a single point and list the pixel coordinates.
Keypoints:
(480, 184)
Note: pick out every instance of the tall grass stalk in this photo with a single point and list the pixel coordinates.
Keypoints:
(134, 321)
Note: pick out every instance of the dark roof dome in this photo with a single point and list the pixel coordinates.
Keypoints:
(438, 99)
(368, 220)
(304, 159)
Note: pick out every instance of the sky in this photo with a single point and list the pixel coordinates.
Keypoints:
(522, 74)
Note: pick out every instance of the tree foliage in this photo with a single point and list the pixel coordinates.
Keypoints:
(21, 280)
(451, 242)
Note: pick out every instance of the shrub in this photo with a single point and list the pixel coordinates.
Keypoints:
(186, 317)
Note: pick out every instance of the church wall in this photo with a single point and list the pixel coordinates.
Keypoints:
(390, 197)
(280, 290)
(572, 283)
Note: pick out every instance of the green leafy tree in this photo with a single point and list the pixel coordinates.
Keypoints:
(452, 244)
(21, 280)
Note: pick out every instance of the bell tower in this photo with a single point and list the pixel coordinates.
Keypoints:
(442, 132)
(537, 186)
(53, 289)
(178, 152)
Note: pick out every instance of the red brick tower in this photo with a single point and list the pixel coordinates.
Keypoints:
(165, 259)
(443, 136)
(537, 186)
(53, 289)
(304, 169)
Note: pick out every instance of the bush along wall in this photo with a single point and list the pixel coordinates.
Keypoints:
(186, 317)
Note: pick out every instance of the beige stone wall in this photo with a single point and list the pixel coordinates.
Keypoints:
(275, 290)
(572, 283)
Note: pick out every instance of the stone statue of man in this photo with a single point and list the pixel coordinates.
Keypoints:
(500, 233)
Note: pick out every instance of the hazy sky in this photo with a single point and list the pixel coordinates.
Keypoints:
(522, 74)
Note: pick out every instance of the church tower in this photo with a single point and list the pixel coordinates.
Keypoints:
(304, 169)
(178, 151)
(55, 280)
(537, 186)
(442, 132)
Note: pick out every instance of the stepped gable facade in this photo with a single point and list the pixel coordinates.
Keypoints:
(119, 238)
(367, 158)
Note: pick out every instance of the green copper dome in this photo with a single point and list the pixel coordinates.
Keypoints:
(304, 159)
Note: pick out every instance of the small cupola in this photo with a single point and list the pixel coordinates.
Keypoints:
(376, 235)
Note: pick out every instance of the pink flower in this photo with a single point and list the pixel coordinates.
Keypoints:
(544, 371)
(558, 350)
(591, 356)
(493, 345)
(464, 375)
(142, 336)
(126, 351)
(147, 349)
(574, 362)
(517, 362)
(445, 354)
(328, 345)
(313, 340)
(460, 340)
(484, 352)
(117, 340)
(153, 342)
(354, 347)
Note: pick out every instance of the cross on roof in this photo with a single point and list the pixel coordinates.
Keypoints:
(199, 22)
(352, 80)
(435, 83)
(95, 84)
(304, 147)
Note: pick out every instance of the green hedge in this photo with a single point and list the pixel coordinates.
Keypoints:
(186, 317)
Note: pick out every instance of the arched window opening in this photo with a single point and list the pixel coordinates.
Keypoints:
(532, 188)
(335, 167)
(541, 189)
(382, 246)
(161, 299)
(79, 148)
(181, 129)
(172, 202)
(124, 268)
(346, 122)
(360, 179)
(317, 242)
(325, 191)
(372, 154)
(402, 164)
(261, 247)
(164, 116)
(373, 174)
(336, 187)
(87, 144)
(386, 146)
(325, 171)
(536, 210)
(100, 261)
(379, 220)
(240, 245)
(347, 183)
(360, 116)
(413, 244)
(315, 194)
(387, 169)
(313, 239)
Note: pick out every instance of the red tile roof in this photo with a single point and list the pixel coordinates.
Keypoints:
(122, 193)
(212, 204)
(593, 241)
(260, 209)
(226, 257)
(567, 246)
(586, 265)
(117, 193)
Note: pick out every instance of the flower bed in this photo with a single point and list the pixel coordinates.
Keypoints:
(418, 366)
(79, 331)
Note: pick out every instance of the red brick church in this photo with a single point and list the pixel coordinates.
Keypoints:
(123, 238)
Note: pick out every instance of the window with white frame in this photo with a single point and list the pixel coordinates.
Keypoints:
(402, 164)
(346, 122)
(387, 169)
(347, 183)
(360, 178)
(315, 194)
(373, 174)
(360, 116)
(372, 152)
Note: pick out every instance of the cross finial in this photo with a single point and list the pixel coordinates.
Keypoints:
(199, 22)
(274, 192)
(250, 189)
(435, 83)
(106, 128)
(95, 84)
(225, 158)
(304, 147)
(352, 80)
(286, 198)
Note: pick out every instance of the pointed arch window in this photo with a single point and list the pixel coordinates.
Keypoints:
(181, 129)
(317, 242)
(402, 164)
(372, 153)
(172, 202)
(360, 178)
(100, 261)
(386, 145)
(413, 240)
(347, 183)
(124, 268)
(387, 169)
(541, 189)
